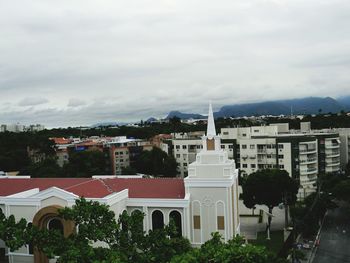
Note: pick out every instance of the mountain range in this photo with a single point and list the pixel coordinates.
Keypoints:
(309, 105)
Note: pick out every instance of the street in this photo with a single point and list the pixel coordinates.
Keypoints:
(335, 237)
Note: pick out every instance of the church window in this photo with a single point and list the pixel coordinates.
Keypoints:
(196, 222)
(157, 220)
(221, 222)
(176, 217)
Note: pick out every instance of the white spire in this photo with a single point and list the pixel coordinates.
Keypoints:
(211, 132)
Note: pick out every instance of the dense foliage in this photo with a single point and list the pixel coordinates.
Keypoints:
(124, 240)
(157, 163)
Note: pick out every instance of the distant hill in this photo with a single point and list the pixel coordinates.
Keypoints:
(345, 101)
(184, 116)
(309, 105)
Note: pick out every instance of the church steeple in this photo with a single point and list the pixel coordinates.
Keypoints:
(211, 132)
(211, 142)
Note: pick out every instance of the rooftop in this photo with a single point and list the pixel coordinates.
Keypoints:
(167, 188)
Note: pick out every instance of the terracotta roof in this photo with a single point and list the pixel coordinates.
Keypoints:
(61, 140)
(98, 188)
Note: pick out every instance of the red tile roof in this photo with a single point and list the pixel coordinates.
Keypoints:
(98, 188)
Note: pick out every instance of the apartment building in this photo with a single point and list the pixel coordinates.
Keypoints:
(344, 135)
(123, 152)
(186, 148)
(302, 153)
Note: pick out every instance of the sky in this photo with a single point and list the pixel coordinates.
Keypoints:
(80, 62)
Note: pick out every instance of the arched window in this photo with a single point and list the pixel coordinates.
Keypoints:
(157, 220)
(138, 216)
(176, 217)
(55, 224)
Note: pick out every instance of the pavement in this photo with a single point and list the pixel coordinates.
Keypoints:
(334, 238)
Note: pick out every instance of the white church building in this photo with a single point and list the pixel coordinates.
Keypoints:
(204, 202)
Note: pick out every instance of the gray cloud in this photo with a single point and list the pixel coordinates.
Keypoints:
(32, 101)
(74, 102)
(128, 62)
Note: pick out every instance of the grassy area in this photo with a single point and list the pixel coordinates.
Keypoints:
(274, 244)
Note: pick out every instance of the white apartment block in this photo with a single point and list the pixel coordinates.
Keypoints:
(186, 150)
(303, 154)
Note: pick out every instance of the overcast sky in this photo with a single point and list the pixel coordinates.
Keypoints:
(79, 62)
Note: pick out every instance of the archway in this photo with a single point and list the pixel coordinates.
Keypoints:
(47, 217)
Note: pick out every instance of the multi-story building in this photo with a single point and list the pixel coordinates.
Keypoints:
(123, 152)
(303, 154)
(344, 135)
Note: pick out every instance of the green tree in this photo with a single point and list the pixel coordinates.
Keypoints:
(216, 250)
(14, 234)
(156, 162)
(48, 168)
(86, 164)
(129, 171)
(269, 187)
(342, 190)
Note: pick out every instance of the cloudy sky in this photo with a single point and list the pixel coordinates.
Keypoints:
(79, 62)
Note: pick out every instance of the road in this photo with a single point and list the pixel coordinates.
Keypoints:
(335, 237)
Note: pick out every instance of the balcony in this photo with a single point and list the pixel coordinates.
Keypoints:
(332, 146)
(309, 160)
(307, 151)
(333, 154)
(331, 164)
(308, 171)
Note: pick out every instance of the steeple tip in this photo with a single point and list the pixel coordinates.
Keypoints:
(211, 132)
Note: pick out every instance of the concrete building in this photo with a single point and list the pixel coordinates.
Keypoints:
(344, 135)
(302, 153)
(204, 202)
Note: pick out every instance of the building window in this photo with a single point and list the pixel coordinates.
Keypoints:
(268, 146)
(253, 165)
(184, 147)
(222, 146)
(176, 217)
(177, 146)
(225, 133)
(196, 222)
(252, 146)
(157, 220)
(280, 156)
(221, 222)
(177, 155)
(281, 166)
(230, 146)
(244, 146)
(244, 165)
(280, 146)
(244, 134)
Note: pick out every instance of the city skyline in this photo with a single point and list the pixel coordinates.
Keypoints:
(83, 62)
